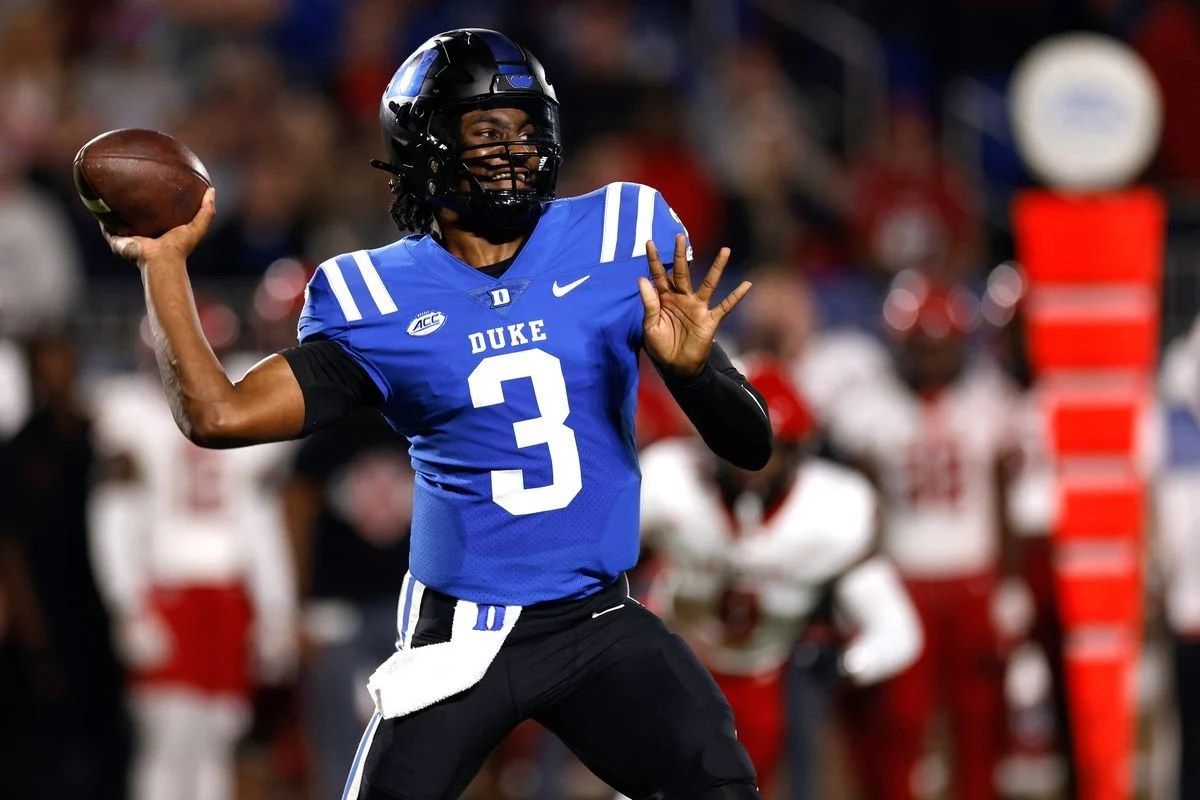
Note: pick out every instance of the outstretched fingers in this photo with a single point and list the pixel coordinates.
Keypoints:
(731, 300)
(658, 274)
(709, 285)
(649, 300)
(680, 273)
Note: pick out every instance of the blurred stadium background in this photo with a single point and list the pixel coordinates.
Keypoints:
(833, 145)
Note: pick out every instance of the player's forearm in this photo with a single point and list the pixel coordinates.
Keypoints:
(197, 387)
(727, 411)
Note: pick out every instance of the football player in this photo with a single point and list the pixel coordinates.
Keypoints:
(502, 341)
(751, 554)
(935, 435)
(1178, 539)
(192, 560)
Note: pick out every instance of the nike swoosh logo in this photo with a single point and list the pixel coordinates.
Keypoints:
(605, 611)
(559, 291)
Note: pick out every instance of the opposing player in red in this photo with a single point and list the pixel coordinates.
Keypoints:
(192, 560)
(934, 435)
(750, 554)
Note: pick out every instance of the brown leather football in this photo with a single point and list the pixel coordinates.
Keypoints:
(139, 182)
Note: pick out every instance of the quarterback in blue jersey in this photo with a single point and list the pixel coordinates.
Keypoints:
(502, 340)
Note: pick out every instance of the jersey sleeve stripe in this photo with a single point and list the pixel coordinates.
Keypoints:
(612, 219)
(337, 284)
(374, 283)
(644, 228)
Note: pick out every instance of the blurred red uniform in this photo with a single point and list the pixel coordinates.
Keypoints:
(749, 556)
(192, 560)
(934, 437)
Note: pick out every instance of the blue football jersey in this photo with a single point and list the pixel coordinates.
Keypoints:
(517, 394)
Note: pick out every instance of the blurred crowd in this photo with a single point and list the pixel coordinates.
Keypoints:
(856, 157)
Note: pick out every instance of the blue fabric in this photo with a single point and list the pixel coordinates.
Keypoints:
(464, 541)
(1183, 438)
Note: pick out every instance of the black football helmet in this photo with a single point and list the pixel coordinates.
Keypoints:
(454, 73)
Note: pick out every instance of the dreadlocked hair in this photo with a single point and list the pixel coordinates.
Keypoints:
(410, 213)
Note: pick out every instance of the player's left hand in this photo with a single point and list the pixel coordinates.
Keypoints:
(679, 326)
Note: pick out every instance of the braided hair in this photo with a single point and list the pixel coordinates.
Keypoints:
(410, 213)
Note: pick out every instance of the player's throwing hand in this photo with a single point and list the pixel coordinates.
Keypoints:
(679, 326)
(180, 241)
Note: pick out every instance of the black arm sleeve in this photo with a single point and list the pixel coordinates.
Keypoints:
(728, 412)
(332, 382)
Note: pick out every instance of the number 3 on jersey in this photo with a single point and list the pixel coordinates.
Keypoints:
(550, 392)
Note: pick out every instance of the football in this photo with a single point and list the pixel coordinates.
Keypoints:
(139, 182)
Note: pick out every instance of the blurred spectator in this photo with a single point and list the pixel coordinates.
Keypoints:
(349, 506)
(14, 388)
(124, 81)
(39, 269)
(76, 735)
(602, 52)
(368, 51)
(780, 316)
(785, 186)
(910, 208)
(1168, 37)
(193, 560)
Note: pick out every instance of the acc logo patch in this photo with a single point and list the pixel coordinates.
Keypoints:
(426, 323)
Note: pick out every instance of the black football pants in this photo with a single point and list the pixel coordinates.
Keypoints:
(603, 674)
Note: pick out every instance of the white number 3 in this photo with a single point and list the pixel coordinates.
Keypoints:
(486, 384)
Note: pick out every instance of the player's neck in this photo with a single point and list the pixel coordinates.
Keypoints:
(477, 251)
(478, 248)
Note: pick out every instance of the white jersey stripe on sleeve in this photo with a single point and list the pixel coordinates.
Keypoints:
(644, 228)
(337, 284)
(370, 275)
(612, 217)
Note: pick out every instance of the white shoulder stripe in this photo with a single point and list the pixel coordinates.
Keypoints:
(337, 284)
(612, 218)
(374, 283)
(645, 221)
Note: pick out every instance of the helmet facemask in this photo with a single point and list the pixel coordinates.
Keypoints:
(499, 183)
(496, 185)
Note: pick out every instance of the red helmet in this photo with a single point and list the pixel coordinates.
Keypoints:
(791, 421)
(916, 303)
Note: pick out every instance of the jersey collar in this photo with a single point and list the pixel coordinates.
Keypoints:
(532, 259)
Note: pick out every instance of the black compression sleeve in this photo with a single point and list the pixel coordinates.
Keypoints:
(728, 412)
(333, 383)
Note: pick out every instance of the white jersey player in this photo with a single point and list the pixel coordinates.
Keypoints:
(749, 555)
(935, 435)
(192, 559)
(1177, 502)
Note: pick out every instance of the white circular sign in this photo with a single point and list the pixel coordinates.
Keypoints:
(1086, 111)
